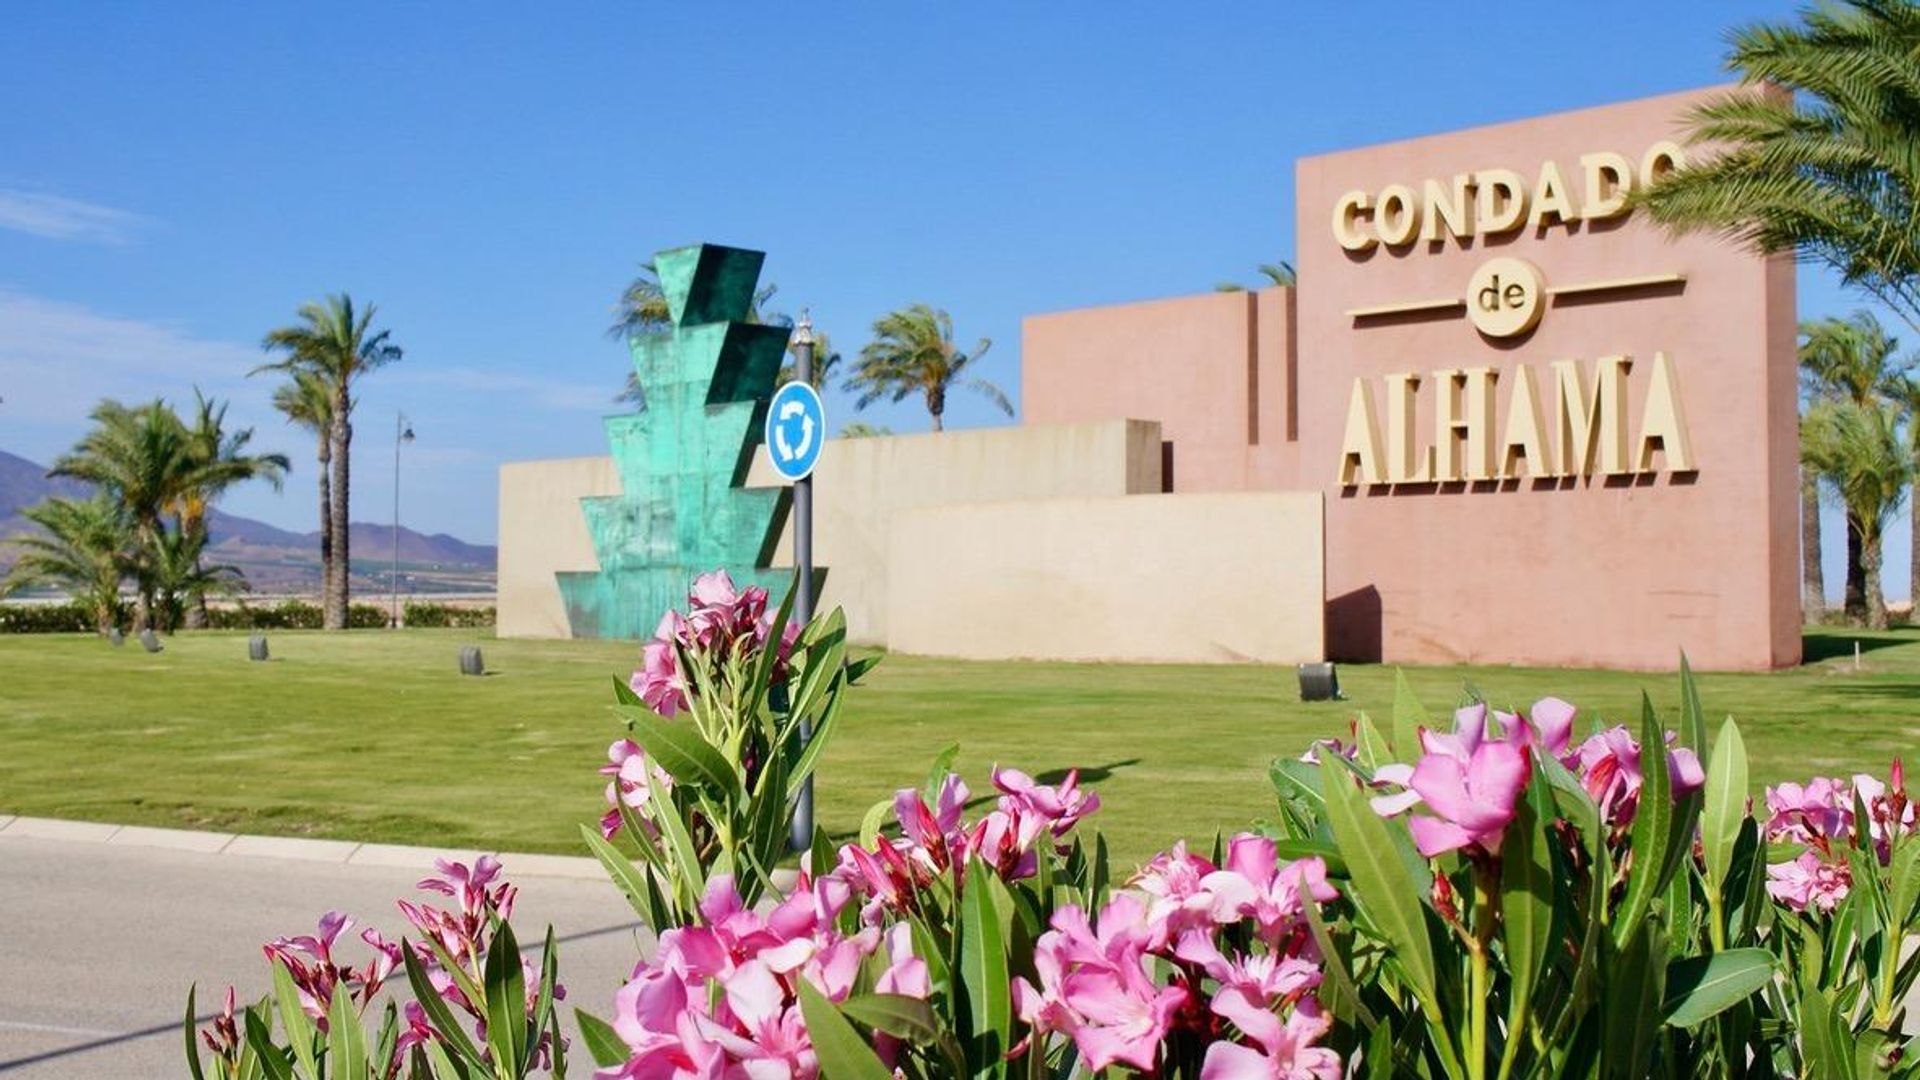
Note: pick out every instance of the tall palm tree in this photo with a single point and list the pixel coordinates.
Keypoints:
(912, 352)
(139, 456)
(642, 309)
(338, 344)
(217, 459)
(1280, 273)
(84, 546)
(1904, 391)
(1850, 360)
(182, 577)
(307, 404)
(1859, 450)
(1828, 169)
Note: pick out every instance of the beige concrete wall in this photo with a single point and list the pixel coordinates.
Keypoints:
(541, 532)
(860, 484)
(1209, 578)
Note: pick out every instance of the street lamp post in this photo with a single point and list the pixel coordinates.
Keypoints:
(402, 433)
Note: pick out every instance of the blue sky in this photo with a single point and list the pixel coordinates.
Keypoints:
(176, 180)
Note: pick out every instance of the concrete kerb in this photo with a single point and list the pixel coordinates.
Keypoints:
(344, 852)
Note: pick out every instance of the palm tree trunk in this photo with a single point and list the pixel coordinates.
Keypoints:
(936, 405)
(1813, 579)
(1856, 595)
(1876, 601)
(1913, 556)
(342, 551)
(326, 522)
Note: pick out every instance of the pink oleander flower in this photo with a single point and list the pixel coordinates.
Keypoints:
(1819, 810)
(317, 976)
(722, 622)
(659, 681)
(1547, 727)
(1058, 808)
(634, 779)
(224, 1039)
(1271, 978)
(1176, 898)
(1809, 882)
(1471, 784)
(1097, 987)
(1254, 884)
(1610, 769)
(1280, 1051)
(934, 836)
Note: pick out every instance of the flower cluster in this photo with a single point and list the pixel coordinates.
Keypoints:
(1824, 815)
(934, 842)
(635, 778)
(722, 623)
(309, 959)
(1471, 780)
(1209, 956)
(718, 997)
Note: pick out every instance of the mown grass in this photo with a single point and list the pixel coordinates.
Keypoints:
(376, 736)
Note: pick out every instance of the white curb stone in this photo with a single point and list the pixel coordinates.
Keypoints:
(85, 832)
(292, 847)
(171, 839)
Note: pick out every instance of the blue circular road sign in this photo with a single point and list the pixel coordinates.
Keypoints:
(796, 428)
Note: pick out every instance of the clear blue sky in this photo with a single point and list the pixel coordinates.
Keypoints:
(176, 180)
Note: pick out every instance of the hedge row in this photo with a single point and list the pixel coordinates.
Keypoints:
(286, 615)
(446, 615)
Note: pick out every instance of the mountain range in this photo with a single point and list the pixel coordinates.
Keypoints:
(272, 558)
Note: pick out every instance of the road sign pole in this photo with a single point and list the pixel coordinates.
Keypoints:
(802, 836)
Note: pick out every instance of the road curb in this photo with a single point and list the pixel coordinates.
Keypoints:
(302, 849)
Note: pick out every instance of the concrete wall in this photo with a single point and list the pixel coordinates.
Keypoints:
(859, 485)
(542, 531)
(1215, 369)
(1204, 578)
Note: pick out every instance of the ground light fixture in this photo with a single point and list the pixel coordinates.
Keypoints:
(402, 433)
(1319, 682)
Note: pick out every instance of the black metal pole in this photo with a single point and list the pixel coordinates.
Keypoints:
(802, 836)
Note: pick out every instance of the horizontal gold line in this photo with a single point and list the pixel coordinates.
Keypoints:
(1618, 283)
(1406, 308)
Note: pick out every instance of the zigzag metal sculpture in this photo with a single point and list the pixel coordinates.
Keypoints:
(683, 458)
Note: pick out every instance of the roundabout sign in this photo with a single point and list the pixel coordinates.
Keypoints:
(796, 429)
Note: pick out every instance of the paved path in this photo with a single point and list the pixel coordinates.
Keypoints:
(99, 942)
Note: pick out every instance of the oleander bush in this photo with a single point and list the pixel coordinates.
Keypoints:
(1492, 894)
(441, 616)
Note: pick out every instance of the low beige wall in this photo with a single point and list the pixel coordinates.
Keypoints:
(859, 485)
(543, 531)
(1209, 578)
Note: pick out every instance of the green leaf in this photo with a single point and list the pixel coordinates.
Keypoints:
(506, 986)
(1339, 985)
(1373, 748)
(623, 694)
(822, 857)
(1700, 987)
(1826, 1046)
(603, 1046)
(763, 664)
(816, 747)
(273, 1060)
(680, 750)
(299, 1028)
(938, 770)
(1693, 719)
(843, 1053)
(1526, 900)
(1904, 867)
(856, 669)
(904, 1017)
(870, 821)
(987, 995)
(1726, 804)
(543, 1002)
(435, 1006)
(1651, 830)
(193, 1044)
(1326, 851)
(1630, 1028)
(628, 878)
(1383, 887)
(688, 876)
(1297, 779)
(1409, 716)
(346, 1041)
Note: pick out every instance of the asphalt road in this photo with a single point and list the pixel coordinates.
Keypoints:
(99, 943)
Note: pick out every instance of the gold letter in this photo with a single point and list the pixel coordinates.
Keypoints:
(1449, 424)
(1398, 215)
(1660, 159)
(1525, 434)
(1451, 211)
(1550, 197)
(1360, 447)
(1480, 463)
(1346, 215)
(1663, 422)
(1609, 182)
(1402, 466)
(1503, 201)
(1592, 421)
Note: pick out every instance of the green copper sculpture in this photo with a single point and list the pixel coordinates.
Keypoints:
(683, 458)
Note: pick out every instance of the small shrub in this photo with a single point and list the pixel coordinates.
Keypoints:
(444, 616)
(45, 619)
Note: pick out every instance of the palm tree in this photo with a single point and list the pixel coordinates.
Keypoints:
(138, 456)
(1859, 450)
(860, 429)
(912, 352)
(642, 309)
(1828, 165)
(182, 577)
(825, 360)
(84, 547)
(308, 405)
(217, 459)
(338, 345)
(1850, 360)
(1280, 273)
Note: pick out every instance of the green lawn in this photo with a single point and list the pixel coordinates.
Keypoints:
(376, 736)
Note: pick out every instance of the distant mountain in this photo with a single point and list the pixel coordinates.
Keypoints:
(276, 559)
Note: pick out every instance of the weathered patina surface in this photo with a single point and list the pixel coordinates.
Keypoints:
(683, 457)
